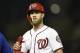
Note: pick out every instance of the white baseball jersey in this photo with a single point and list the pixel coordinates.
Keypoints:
(44, 40)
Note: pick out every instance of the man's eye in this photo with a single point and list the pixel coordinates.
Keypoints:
(31, 12)
(36, 12)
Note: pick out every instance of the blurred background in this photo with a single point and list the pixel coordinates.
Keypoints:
(62, 15)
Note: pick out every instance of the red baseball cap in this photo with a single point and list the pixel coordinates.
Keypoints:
(36, 7)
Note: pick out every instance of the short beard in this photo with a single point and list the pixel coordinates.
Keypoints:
(36, 24)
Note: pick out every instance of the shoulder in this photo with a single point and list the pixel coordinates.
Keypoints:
(26, 35)
(53, 34)
(52, 31)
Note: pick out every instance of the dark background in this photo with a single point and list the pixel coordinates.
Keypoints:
(13, 22)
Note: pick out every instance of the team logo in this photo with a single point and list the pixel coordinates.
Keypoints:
(42, 43)
(33, 6)
(58, 39)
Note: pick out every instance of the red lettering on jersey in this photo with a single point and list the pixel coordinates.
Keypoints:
(42, 43)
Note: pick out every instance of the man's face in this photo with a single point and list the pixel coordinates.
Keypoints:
(36, 18)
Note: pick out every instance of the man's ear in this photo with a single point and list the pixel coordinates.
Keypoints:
(27, 15)
(43, 15)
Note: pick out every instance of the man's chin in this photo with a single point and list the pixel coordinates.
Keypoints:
(35, 24)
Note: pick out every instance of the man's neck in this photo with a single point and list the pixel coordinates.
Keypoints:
(36, 27)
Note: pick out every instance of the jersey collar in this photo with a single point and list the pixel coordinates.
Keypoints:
(39, 30)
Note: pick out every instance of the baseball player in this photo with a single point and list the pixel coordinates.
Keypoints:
(41, 38)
